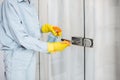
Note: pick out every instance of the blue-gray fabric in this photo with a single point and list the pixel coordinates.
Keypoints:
(19, 36)
(21, 26)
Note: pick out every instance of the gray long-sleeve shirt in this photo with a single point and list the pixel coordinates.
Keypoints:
(19, 26)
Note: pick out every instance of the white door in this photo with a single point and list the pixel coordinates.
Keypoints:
(96, 19)
(103, 25)
(69, 15)
(105, 29)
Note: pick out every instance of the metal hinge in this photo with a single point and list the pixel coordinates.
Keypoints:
(80, 41)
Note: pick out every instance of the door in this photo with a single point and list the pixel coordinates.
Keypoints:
(76, 18)
(96, 19)
(69, 15)
(103, 25)
(107, 39)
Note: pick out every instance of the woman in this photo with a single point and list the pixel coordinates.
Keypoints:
(20, 39)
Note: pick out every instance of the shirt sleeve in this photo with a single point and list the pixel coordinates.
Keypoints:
(18, 31)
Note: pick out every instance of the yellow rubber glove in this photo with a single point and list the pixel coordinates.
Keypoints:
(56, 31)
(58, 46)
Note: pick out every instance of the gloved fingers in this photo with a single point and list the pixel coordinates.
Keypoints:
(57, 31)
(66, 42)
(53, 32)
(59, 34)
(58, 46)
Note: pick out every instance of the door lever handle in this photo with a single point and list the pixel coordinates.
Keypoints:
(80, 41)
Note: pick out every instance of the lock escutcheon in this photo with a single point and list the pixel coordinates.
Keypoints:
(80, 41)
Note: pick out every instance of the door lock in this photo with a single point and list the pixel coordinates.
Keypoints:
(80, 41)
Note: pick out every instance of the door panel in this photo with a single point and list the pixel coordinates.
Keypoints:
(104, 28)
(68, 14)
(107, 39)
(101, 24)
(90, 33)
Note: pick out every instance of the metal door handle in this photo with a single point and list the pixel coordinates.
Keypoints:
(80, 41)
